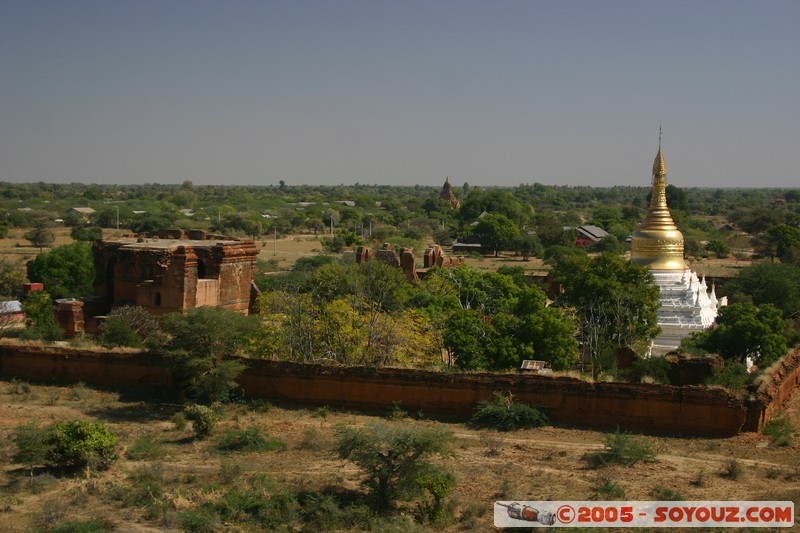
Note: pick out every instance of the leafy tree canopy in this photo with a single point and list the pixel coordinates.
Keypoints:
(41, 236)
(11, 280)
(86, 233)
(497, 202)
(495, 232)
(200, 346)
(745, 330)
(768, 283)
(66, 271)
(396, 460)
(614, 300)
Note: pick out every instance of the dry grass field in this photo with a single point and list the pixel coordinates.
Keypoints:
(153, 492)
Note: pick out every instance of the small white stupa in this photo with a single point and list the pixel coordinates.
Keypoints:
(687, 305)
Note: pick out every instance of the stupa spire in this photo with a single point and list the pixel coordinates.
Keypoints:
(658, 243)
(659, 165)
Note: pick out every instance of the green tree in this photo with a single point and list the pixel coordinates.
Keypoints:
(200, 348)
(150, 222)
(40, 317)
(81, 444)
(496, 323)
(66, 271)
(744, 330)
(395, 461)
(614, 301)
(527, 245)
(609, 244)
(32, 447)
(556, 235)
(718, 248)
(551, 333)
(677, 198)
(86, 233)
(497, 202)
(768, 283)
(114, 332)
(495, 232)
(787, 242)
(129, 325)
(11, 280)
(41, 236)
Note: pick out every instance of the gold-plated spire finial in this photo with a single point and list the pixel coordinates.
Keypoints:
(658, 243)
(659, 165)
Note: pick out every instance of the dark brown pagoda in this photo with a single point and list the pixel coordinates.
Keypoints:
(447, 194)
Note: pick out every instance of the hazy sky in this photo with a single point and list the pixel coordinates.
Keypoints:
(399, 92)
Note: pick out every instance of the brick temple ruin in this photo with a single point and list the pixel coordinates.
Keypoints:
(166, 272)
(404, 258)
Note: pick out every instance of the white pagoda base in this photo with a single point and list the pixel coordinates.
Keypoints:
(687, 306)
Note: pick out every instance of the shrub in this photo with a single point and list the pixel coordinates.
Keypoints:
(493, 445)
(42, 482)
(203, 419)
(179, 420)
(733, 470)
(130, 325)
(780, 430)
(46, 333)
(321, 412)
(81, 445)
(438, 482)
(504, 414)
(32, 447)
(144, 448)
(605, 488)
(200, 520)
(79, 391)
(656, 368)
(733, 377)
(137, 318)
(259, 501)
(396, 412)
(313, 439)
(395, 460)
(21, 387)
(246, 440)
(146, 488)
(621, 449)
(700, 479)
(114, 332)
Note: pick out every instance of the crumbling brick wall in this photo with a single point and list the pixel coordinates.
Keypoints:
(654, 408)
(773, 391)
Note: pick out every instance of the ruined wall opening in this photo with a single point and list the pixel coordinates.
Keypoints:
(157, 300)
(201, 269)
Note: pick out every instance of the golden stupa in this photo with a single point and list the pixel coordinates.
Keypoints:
(657, 243)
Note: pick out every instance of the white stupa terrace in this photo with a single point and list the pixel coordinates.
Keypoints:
(687, 306)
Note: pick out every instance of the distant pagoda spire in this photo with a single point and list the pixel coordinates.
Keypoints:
(448, 195)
